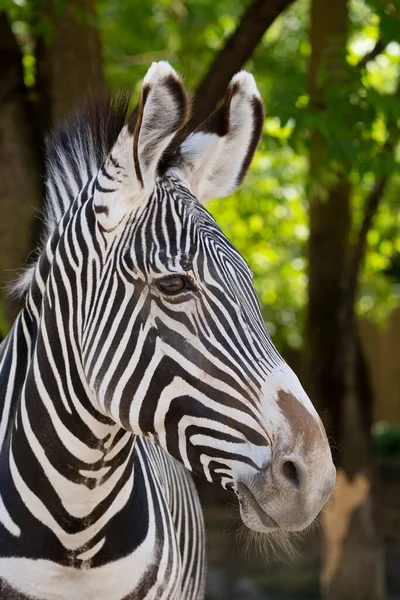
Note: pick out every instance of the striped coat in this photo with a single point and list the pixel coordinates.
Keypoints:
(140, 355)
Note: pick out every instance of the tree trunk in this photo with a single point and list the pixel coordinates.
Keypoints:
(68, 68)
(338, 378)
(69, 64)
(20, 189)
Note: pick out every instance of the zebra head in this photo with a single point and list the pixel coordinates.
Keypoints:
(177, 350)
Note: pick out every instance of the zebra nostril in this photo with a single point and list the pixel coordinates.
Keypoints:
(291, 473)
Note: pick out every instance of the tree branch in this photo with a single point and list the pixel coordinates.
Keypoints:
(371, 208)
(238, 49)
(376, 50)
(371, 205)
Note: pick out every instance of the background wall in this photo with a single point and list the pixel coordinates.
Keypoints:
(382, 349)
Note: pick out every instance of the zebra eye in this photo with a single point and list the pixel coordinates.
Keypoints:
(173, 285)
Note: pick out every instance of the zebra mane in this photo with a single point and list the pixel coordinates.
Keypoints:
(74, 152)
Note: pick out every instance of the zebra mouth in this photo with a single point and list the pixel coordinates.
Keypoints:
(253, 516)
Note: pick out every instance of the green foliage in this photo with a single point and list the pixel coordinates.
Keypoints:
(267, 218)
(186, 33)
(359, 115)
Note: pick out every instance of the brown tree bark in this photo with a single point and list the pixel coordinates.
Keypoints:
(238, 49)
(69, 64)
(20, 189)
(338, 379)
(68, 67)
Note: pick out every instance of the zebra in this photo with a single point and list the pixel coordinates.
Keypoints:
(140, 355)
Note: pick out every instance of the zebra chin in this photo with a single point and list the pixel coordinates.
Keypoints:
(269, 512)
(252, 514)
(284, 495)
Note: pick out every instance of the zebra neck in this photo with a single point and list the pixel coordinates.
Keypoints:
(71, 467)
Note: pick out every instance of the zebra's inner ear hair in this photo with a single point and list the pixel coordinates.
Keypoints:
(214, 159)
(129, 172)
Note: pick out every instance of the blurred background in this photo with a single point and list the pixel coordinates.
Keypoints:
(317, 220)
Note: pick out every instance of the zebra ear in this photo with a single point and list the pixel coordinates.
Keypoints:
(216, 156)
(128, 174)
